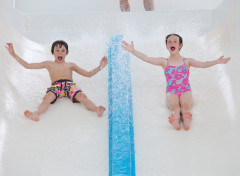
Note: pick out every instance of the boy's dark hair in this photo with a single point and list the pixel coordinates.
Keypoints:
(180, 38)
(60, 43)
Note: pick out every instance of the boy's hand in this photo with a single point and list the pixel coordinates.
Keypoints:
(103, 62)
(222, 60)
(10, 49)
(128, 47)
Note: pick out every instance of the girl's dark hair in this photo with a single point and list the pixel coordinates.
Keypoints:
(180, 38)
(60, 43)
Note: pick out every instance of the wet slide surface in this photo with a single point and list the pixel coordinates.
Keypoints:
(70, 140)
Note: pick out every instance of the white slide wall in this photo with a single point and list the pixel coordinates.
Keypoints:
(78, 6)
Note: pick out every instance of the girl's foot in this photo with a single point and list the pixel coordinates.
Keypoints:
(31, 115)
(187, 119)
(100, 111)
(174, 122)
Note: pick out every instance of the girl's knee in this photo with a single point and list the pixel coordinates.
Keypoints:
(176, 108)
(185, 108)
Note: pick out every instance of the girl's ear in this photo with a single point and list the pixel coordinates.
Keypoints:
(181, 45)
(67, 52)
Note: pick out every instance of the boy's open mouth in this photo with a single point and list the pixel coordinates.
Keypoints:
(172, 48)
(60, 58)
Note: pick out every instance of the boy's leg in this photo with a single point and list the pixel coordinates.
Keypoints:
(125, 5)
(148, 5)
(47, 99)
(173, 104)
(186, 101)
(81, 97)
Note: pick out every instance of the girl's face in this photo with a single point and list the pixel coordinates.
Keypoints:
(60, 53)
(173, 45)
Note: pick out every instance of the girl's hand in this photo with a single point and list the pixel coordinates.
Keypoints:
(103, 62)
(222, 60)
(10, 49)
(128, 47)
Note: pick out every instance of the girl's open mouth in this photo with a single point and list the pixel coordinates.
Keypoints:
(172, 48)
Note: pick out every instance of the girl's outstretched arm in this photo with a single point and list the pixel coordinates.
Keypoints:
(206, 64)
(23, 62)
(151, 60)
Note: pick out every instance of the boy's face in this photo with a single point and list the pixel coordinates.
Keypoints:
(173, 45)
(60, 53)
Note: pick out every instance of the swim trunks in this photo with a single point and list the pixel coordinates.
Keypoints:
(64, 87)
(177, 79)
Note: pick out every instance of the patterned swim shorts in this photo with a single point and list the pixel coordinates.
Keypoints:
(64, 87)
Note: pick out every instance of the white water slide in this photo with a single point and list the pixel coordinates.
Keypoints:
(70, 140)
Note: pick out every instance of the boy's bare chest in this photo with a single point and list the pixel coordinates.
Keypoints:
(59, 68)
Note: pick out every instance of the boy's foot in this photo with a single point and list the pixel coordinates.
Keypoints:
(31, 115)
(174, 122)
(100, 111)
(187, 119)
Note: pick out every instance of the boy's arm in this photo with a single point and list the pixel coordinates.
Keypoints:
(22, 62)
(206, 64)
(151, 60)
(85, 73)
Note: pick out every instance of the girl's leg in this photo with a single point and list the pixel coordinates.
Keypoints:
(47, 99)
(148, 5)
(81, 97)
(125, 5)
(186, 101)
(173, 104)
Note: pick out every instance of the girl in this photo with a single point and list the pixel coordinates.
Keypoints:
(176, 69)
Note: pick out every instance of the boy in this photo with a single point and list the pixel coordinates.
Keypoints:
(61, 77)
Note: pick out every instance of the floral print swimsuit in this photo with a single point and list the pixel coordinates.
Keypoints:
(177, 79)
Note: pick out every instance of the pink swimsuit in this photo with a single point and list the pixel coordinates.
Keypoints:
(177, 79)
